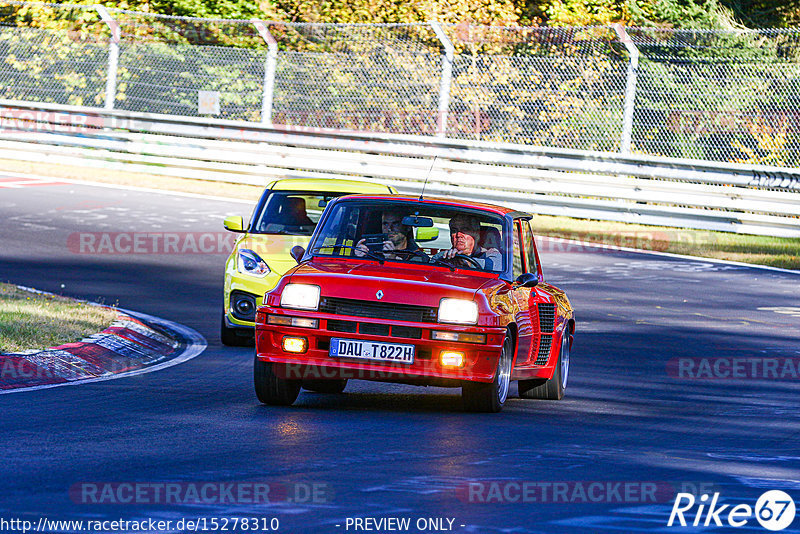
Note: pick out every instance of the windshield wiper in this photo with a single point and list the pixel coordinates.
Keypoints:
(377, 256)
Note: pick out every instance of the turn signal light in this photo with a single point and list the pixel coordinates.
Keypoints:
(285, 320)
(297, 345)
(462, 337)
(452, 359)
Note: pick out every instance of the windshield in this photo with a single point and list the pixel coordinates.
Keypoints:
(290, 212)
(413, 232)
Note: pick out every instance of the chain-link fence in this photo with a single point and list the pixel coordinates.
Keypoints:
(721, 96)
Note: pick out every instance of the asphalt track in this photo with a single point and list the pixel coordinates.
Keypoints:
(382, 450)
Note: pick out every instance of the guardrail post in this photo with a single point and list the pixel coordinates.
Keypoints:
(113, 55)
(447, 78)
(630, 89)
(270, 66)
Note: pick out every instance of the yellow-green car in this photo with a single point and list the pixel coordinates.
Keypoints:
(284, 217)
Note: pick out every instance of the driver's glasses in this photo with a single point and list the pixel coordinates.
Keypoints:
(459, 230)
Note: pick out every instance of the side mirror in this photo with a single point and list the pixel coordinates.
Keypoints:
(234, 223)
(427, 234)
(527, 280)
(297, 253)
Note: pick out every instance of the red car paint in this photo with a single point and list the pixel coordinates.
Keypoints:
(505, 308)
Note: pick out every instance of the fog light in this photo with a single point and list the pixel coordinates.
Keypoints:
(452, 359)
(243, 306)
(295, 344)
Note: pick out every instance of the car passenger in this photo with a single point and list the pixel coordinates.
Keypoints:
(398, 237)
(465, 232)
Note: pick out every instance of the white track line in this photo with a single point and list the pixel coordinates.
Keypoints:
(136, 188)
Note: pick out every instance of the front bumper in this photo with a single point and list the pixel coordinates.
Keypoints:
(480, 359)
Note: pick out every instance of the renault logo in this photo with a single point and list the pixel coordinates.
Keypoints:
(379, 294)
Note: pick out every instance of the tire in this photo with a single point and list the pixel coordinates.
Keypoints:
(230, 337)
(552, 389)
(490, 398)
(270, 388)
(325, 386)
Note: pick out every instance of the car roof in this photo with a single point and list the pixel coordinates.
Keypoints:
(500, 210)
(329, 185)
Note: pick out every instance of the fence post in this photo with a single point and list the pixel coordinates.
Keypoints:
(270, 67)
(447, 78)
(630, 89)
(113, 55)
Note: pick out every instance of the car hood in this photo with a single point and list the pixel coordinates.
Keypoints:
(398, 284)
(274, 249)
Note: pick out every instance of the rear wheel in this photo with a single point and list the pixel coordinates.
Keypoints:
(272, 389)
(552, 389)
(325, 386)
(481, 397)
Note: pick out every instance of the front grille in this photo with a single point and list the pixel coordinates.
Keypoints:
(378, 310)
(547, 317)
(342, 326)
(407, 331)
(544, 350)
(373, 329)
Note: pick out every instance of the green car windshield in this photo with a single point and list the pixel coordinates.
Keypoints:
(391, 231)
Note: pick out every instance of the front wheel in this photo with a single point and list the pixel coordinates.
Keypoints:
(552, 389)
(481, 397)
(272, 389)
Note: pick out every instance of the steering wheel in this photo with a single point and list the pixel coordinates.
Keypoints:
(468, 259)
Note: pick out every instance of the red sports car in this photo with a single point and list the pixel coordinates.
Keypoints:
(417, 291)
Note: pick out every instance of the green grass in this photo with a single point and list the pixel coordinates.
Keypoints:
(33, 321)
(772, 251)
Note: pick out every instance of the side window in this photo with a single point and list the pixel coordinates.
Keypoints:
(517, 265)
(530, 247)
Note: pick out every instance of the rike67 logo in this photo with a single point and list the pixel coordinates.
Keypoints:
(774, 510)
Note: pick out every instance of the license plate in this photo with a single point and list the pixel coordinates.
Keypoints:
(370, 350)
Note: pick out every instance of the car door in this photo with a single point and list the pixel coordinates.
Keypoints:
(522, 297)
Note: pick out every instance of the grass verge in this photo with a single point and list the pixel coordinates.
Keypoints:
(761, 250)
(33, 321)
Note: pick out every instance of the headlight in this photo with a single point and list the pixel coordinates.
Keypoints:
(248, 262)
(300, 296)
(458, 311)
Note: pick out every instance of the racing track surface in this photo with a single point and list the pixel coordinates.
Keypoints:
(400, 451)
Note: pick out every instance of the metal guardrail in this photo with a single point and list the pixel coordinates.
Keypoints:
(695, 194)
(715, 95)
